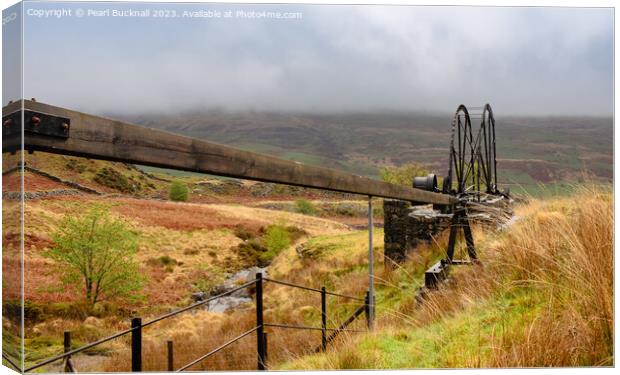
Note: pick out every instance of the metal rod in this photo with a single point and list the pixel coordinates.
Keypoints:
(292, 285)
(453, 233)
(67, 341)
(136, 345)
(260, 340)
(310, 289)
(344, 296)
(276, 325)
(77, 350)
(67, 348)
(176, 312)
(170, 356)
(371, 276)
(344, 325)
(367, 308)
(469, 239)
(10, 362)
(223, 346)
(323, 319)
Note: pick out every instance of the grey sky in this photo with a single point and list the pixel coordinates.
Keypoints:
(337, 58)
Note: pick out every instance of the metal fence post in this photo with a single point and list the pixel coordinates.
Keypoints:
(367, 309)
(136, 345)
(67, 341)
(323, 319)
(67, 347)
(170, 356)
(260, 340)
(371, 275)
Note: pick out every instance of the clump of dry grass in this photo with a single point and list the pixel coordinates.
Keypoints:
(565, 252)
(561, 251)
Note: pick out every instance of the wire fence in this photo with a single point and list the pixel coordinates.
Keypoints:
(243, 350)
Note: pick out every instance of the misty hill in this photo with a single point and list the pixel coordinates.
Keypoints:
(530, 149)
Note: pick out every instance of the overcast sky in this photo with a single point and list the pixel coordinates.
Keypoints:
(556, 61)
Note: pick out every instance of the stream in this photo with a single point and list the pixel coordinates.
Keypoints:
(235, 299)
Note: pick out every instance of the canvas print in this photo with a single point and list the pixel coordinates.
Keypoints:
(226, 187)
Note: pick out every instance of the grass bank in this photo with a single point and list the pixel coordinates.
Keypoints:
(543, 297)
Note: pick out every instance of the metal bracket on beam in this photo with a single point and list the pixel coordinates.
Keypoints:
(35, 123)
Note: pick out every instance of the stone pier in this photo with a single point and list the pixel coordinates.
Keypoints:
(406, 226)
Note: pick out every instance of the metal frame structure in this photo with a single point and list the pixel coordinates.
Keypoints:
(472, 164)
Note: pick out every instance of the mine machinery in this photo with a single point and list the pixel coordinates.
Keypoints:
(471, 180)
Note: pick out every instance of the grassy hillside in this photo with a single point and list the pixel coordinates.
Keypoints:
(547, 277)
(543, 297)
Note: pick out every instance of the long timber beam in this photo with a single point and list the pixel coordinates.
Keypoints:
(62, 131)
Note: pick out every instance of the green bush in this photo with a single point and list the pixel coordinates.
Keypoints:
(305, 207)
(261, 251)
(277, 238)
(179, 192)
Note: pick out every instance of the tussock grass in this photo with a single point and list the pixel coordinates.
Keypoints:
(543, 296)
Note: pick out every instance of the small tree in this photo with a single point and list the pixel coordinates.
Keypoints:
(179, 191)
(96, 252)
(402, 175)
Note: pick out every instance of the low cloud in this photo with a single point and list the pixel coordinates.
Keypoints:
(337, 58)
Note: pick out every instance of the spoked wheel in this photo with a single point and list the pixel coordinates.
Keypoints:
(472, 169)
(487, 160)
(462, 154)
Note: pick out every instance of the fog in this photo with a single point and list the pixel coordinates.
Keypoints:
(529, 61)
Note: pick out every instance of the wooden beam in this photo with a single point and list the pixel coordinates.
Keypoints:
(101, 138)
